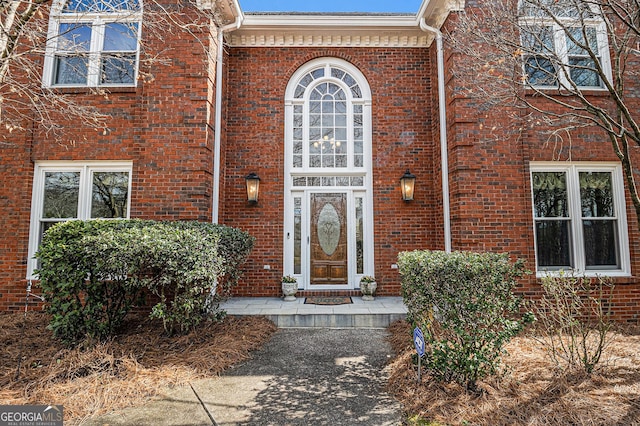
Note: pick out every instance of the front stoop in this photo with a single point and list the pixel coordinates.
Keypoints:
(379, 313)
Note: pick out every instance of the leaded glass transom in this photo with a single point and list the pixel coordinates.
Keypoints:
(326, 181)
(328, 125)
(317, 73)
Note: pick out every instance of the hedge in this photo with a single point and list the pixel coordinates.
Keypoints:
(466, 307)
(93, 272)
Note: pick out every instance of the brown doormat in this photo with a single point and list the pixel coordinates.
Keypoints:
(327, 300)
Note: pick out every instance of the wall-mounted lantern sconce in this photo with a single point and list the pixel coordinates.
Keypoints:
(253, 187)
(407, 184)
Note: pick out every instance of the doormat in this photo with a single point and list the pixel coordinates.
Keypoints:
(327, 300)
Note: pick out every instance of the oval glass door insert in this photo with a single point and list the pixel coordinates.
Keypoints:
(328, 229)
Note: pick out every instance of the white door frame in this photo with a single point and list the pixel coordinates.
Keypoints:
(360, 177)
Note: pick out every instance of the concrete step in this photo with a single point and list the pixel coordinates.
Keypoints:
(378, 313)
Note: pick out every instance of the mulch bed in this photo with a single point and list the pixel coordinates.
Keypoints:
(123, 372)
(532, 390)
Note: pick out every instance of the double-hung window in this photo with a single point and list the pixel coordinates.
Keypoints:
(72, 191)
(579, 218)
(93, 43)
(563, 43)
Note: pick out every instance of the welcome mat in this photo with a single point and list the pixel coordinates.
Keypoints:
(327, 300)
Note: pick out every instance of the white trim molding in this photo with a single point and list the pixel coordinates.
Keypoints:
(85, 171)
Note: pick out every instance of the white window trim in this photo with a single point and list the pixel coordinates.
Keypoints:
(86, 169)
(560, 45)
(572, 169)
(97, 22)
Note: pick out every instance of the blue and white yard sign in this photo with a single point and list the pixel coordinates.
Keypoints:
(418, 340)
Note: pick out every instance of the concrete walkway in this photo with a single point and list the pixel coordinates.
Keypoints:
(306, 376)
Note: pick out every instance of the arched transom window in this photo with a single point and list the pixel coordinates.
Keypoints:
(327, 119)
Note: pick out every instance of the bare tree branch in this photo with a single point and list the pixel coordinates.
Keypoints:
(512, 57)
(26, 102)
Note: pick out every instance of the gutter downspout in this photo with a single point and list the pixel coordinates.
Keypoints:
(218, 115)
(443, 134)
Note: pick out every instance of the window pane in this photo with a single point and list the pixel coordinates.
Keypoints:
(539, 47)
(359, 237)
(297, 235)
(596, 194)
(342, 181)
(600, 244)
(337, 73)
(550, 194)
(78, 6)
(553, 244)
(357, 181)
(540, 71)
(538, 39)
(74, 37)
(118, 69)
(110, 195)
(120, 37)
(583, 73)
(559, 8)
(71, 70)
(577, 34)
(61, 191)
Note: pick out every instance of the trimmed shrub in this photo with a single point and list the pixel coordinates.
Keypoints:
(93, 272)
(465, 305)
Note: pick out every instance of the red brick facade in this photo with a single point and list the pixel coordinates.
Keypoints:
(166, 128)
(402, 139)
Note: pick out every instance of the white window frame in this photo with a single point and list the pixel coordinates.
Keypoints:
(572, 170)
(365, 191)
(562, 52)
(86, 170)
(97, 22)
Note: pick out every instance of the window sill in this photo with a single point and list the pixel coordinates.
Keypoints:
(619, 276)
(555, 92)
(92, 90)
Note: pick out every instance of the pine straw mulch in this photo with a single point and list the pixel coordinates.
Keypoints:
(532, 392)
(120, 373)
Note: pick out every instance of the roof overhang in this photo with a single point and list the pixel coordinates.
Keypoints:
(225, 12)
(340, 29)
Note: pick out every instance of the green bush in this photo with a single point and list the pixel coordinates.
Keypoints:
(93, 272)
(82, 303)
(465, 305)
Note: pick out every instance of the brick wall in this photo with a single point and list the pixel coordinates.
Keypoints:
(489, 157)
(165, 127)
(162, 126)
(400, 81)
